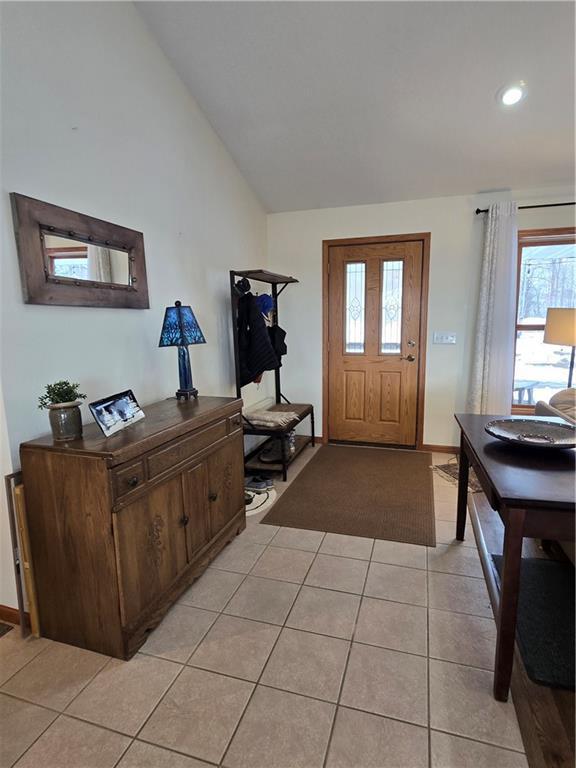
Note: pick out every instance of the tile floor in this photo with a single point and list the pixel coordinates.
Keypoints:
(296, 649)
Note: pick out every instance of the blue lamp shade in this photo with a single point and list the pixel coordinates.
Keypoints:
(180, 327)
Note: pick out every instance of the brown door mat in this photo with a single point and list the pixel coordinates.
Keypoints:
(378, 493)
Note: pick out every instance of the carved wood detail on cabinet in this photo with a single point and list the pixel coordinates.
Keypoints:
(119, 528)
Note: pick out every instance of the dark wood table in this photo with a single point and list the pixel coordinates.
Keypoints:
(532, 489)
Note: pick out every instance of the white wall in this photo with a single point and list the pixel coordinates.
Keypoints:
(295, 247)
(95, 119)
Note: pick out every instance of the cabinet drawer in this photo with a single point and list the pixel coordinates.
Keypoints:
(180, 450)
(129, 478)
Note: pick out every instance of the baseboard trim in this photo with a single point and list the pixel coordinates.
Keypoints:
(11, 615)
(441, 448)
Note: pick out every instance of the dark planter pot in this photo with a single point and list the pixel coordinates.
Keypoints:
(66, 421)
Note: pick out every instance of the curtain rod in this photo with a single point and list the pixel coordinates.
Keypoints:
(525, 207)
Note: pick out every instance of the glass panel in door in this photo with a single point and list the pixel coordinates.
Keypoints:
(391, 310)
(355, 310)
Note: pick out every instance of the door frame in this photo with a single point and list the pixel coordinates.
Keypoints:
(424, 238)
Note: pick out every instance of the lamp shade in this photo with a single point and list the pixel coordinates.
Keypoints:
(560, 326)
(180, 327)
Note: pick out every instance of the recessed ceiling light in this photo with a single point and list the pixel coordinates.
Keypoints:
(512, 94)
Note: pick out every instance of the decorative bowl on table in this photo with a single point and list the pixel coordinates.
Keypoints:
(538, 433)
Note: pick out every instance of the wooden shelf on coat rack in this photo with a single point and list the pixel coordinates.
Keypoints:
(278, 283)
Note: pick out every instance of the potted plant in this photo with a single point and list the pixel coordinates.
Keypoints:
(62, 399)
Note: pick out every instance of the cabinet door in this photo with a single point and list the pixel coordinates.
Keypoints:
(196, 506)
(226, 482)
(151, 546)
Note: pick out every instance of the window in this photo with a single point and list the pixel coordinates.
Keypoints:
(546, 278)
(68, 262)
(391, 307)
(355, 307)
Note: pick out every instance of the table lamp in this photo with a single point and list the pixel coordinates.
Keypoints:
(561, 329)
(180, 328)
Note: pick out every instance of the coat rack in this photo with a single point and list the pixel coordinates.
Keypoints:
(240, 284)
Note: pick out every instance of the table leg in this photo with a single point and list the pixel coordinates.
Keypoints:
(509, 590)
(463, 469)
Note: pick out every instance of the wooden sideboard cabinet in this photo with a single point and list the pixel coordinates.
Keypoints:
(121, 526)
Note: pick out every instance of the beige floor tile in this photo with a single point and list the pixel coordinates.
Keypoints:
(309, 664)
(142, 755)
(198, 715)
(387, 683)
(444, 491)
(347, 546)
(70, 743)
(263, 600)
(258, 533)
(393, 582)
(281, 730)
(16, 652)
(361, 740)
(397, 626)
(237, 647)
(20, 725)
(445, 509)
(340, 573)
(179, 633)
(56, 676)
(446, 534)
(239, 556)
(461, 702)
(453, 752)
(298, 538)
(452, 558)
(283, 564)
(460, 594)
(212, 590)
(124, 693)
(325, 611)
(398, 553)
(442, 458)
(463, 639)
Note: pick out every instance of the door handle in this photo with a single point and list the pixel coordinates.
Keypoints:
(184, 520)
(212, 496)
(410, 358)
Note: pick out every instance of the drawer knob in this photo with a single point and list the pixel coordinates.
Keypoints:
(212, 496)
(184, 520)
(133, 481)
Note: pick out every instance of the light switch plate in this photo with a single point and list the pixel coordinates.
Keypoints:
(444, 338)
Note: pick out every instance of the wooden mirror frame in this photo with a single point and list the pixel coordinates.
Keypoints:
(33, 217)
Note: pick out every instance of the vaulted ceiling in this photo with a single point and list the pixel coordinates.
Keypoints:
(344, 103)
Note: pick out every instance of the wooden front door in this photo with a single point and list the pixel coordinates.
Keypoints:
(375, 339)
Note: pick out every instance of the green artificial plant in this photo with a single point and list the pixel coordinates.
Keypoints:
(60, 392)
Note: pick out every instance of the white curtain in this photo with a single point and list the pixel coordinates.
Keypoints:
(493, 361)
(99, 264)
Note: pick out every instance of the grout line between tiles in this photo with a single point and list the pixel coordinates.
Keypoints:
(345, 670)
(48, 645)
(175, 751)
(477, 741)
(283, 625)
(39, 735)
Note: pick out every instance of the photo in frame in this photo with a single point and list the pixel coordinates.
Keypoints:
(116, 412)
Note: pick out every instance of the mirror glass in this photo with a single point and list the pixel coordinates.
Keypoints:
(79, 260)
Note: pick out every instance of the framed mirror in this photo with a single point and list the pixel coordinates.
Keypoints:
(71, 259)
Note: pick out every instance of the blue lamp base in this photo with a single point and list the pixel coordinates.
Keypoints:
(187, 389)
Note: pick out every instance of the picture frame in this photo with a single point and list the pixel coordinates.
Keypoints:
(116, 412)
